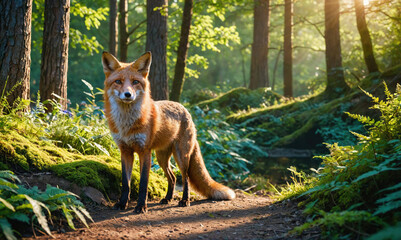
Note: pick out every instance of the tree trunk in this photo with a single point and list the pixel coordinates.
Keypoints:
(259, 66)
(53, 71)
(113, 30)
(365, 37)
(335, 74)
(15, 48)
(287, 68)
(156, 42)
(183, 46)
(123, 30)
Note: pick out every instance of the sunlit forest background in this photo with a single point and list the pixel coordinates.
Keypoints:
(292, 99)
(220, 43)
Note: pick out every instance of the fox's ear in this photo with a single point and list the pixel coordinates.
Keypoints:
(142, 64)
(110, 63)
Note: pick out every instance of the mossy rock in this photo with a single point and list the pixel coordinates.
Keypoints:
(241, 99)
(102, 172)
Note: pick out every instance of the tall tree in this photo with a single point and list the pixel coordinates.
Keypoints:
(287, 68)
(259, 66)
(15, 48)
(178, 81)
(365, 37)
(156, 42)
(123, 30)
(113, 27)
(53, 71)
(335, 73)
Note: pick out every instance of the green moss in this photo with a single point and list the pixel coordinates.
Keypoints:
(99, 171)
(296, 134)
(241, 99)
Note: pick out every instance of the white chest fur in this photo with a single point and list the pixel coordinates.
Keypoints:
(124, 117)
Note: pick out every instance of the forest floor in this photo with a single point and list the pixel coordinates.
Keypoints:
(246, 217)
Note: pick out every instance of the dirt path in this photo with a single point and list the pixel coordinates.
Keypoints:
(246, 217)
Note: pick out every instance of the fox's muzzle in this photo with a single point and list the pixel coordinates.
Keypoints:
(127, 96)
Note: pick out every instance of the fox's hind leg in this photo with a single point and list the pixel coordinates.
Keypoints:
(182, 157)
(163, 157)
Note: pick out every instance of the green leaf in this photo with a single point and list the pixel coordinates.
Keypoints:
(391, 188)
(389, 206)
(7, 204)
(37, 209)
(7, 230)
(79, 215)
(87, 84)
(85, 212)
(9, 175)
(390, 197)
(68, 216)
(22, 217)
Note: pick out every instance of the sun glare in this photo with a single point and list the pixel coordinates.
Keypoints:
(366, 2)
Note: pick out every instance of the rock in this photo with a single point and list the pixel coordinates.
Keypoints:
(94, 194)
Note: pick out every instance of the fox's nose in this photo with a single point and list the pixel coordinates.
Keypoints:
(127, 94)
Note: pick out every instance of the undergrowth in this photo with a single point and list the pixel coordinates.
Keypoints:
(225, 147)
(74, 144)
(357, 191)
(19, 205)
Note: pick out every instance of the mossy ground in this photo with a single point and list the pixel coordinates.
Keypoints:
(294, 124)
(30, 153)
(241, 99)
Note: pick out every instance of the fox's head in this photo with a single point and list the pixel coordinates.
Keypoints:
(126, 82)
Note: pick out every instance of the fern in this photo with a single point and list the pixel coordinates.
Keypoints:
(24, 205)
(357, 189)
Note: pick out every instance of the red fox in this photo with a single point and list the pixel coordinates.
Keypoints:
(139, 124)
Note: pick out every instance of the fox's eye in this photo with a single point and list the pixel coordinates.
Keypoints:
(135, 82)
(118, 82)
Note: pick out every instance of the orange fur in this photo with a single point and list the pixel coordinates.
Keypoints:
(139, 124)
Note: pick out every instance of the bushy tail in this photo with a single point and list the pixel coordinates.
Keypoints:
(201, 181)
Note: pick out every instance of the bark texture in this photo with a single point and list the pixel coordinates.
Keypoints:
(335, 73)
(287, 68)
(259, 66)
(156, 42)
(53, 71)
(365, 37)
(15, 48)
(179, 74)
(123, 30)
(113, 27)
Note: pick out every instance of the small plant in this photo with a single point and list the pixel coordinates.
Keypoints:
(82, 129)
(18, 203)
(357, 189)
(225, 147)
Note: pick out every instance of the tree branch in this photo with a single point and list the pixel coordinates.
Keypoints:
(136, 39)
(304, 19)
(136, 27)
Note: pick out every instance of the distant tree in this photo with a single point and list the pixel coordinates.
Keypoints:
(15, 48)
(287, 68)
(365, 37)
(113, 27)
(259, 66)
(156, 42)
(123, 30)
(178, 81)
(335, 73)
(53, 71)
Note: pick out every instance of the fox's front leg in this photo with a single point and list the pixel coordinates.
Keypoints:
(145, 161)
(127, 158)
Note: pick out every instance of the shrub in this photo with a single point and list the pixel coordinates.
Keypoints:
(357, 190)
(19, 204)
